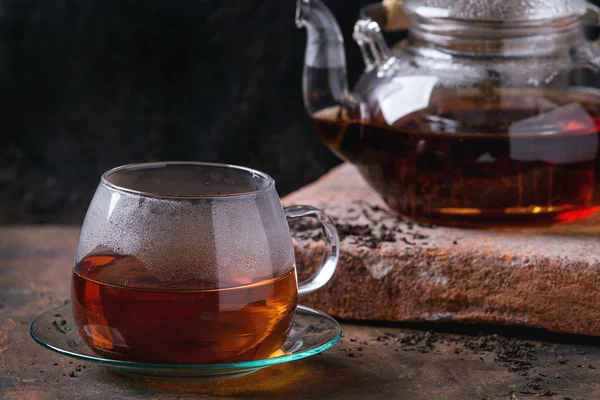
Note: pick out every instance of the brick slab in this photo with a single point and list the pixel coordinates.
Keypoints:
(394, 270)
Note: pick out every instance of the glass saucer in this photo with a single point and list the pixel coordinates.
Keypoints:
(311, 333)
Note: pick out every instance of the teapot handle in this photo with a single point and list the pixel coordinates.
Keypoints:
(592, 15)
(588, 55)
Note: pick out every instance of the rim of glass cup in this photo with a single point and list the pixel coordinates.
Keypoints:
(148, 165)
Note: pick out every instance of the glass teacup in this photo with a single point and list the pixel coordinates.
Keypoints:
(187, 262)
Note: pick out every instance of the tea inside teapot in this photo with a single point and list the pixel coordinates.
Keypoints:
(482, 117)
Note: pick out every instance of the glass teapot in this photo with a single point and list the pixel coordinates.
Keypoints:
(487, 114)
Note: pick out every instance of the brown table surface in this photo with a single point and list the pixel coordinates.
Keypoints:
(370, 362)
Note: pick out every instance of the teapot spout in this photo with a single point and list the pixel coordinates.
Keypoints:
(324, 81)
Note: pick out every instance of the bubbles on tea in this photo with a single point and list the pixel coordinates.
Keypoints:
(218, 241)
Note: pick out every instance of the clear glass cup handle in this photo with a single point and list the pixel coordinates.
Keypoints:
(332, 247)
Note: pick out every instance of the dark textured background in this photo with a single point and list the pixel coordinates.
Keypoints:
(87, 85)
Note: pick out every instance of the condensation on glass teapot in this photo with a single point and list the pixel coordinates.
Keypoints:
(487, 114)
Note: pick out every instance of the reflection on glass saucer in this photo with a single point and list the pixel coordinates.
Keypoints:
(312, 332)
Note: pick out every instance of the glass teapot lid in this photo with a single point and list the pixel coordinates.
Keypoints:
(393, 15)
(495, 10)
